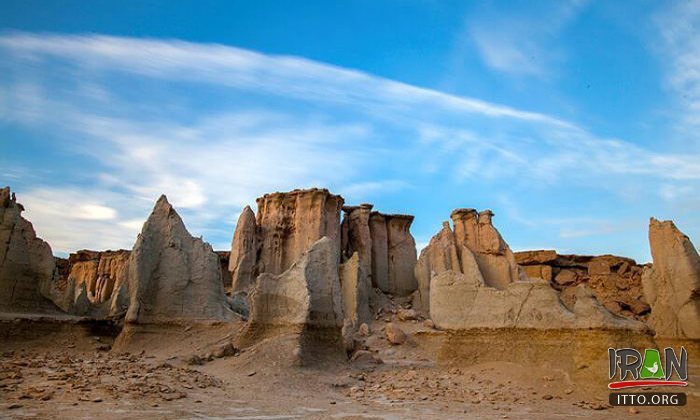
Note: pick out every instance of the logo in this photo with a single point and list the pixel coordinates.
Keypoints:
(636, 370)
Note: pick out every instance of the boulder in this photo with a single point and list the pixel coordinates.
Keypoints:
(26, 262)
(355, 288)
(308, 294)
(615, 281)
(242, 262)
(395, 334)
(173, 276)
(672, 284)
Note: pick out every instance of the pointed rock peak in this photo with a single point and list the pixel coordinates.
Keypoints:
(247, 213)
(163, 202)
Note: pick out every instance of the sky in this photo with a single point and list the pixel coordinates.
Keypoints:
(574, 121)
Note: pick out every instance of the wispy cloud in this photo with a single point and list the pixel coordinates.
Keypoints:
(522, 43)
(680, 51)
(215, 126)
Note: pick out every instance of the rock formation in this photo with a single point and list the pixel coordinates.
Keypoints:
(242, 263)
(289, 223)
(308, 294)
(474, 238)
(355, 287)
(385, 245)
(672, 284)
(496, 260)
(26, 261)
(173, 276)
(463, 302)
(615, 281)
(100, 276)
(356, 235)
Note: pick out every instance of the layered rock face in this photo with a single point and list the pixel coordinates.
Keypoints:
(461, 302)
(672, 284)
(286, 226)
(474, 238)
(289, 223)
(26, 261)
(308, 294)
(173, 276)
(615, 281)
(92, 283)
(386, 248)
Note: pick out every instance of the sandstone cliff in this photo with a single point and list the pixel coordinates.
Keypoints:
(672, 284)
(173, 276)
(615, 281)
(26, 261)
(92, 283)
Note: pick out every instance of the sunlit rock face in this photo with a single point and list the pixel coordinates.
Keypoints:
(26, 262)
(672, 284)
(172, 275)
(474, 238)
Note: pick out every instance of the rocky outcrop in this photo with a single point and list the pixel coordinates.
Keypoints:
(173, 276)
(356, 289)
(242, 264)
(26, 261)
(463, 302)
(615, 281)
(385, 245)
(474, 239)
(356, 236)
(672, 284)
(92, 283)
(224, 263)
(476, 232)
(308, 294)
(289, 223)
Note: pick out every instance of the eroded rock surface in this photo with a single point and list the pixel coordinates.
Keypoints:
(92, 283)
(26, 261)
(289, 223)
(244, 248)
(672, 284)
(308, 294)
(615, 281)
(355, 288)
(474, 239)
(461, 302)
(173, 276)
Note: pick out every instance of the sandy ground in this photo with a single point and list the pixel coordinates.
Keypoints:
(75, 370)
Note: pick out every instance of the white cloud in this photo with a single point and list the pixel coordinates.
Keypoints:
(522, 43)
(362, 135)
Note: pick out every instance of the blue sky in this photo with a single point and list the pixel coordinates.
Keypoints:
(574, 121)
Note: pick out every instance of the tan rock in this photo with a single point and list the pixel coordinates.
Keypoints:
(26, 262)
(355, 288)
(542, 272)
(395, 334)
(356, 235)
(307, 294)
(242, 263)
(538, 257)
(672, 285)
(102, 277)
(380, 251)
(402, 255)
(440, 255)
(289, 223)
(173, 276)
(459, 302)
